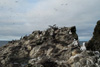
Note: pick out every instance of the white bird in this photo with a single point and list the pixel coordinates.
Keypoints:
(75, 42)
(83, 47)
(70, 32)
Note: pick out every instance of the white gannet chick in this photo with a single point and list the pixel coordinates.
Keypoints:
(70, 32)
(83, 47)
(75, 42)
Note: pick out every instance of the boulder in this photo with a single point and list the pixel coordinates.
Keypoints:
(54, 47)
(94, 43)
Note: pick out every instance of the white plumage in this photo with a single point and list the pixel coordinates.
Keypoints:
(75, 42)
(70, 32)
(83, 47)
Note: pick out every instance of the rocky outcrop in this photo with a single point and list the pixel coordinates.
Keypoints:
(94, 43)
(55, 47)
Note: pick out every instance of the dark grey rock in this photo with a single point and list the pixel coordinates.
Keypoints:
(94, 43)
(55, 47)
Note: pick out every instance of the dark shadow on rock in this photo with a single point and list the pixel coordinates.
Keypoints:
(94, 43)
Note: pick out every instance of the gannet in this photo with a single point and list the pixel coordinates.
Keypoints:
(75, 42)
(70, 32)
(83, 47)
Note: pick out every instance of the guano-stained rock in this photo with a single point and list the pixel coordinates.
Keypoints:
(54, 47)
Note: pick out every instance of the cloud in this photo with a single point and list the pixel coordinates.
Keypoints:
(18, 18)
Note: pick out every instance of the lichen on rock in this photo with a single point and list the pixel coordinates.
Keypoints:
(54, 47)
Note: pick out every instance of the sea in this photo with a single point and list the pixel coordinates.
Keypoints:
(5, 42)
(81, 42)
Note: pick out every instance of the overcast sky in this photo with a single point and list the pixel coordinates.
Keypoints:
(21, 17)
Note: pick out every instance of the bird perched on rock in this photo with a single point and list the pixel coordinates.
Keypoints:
(75, 42)
(70, 32)
(83, 47)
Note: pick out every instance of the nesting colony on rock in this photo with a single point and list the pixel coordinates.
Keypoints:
(54, 47)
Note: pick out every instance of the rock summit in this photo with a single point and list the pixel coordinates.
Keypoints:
(54, 47)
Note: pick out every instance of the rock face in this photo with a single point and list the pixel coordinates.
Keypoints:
(55, 47)
(94, 43)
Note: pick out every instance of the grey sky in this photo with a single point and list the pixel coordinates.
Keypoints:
(21, 17)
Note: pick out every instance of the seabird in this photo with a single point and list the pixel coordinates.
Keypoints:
(70, 32)
(75, 42)
(83, 47)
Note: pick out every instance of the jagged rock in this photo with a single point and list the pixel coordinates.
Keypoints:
(94, 43)
(55, 47)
